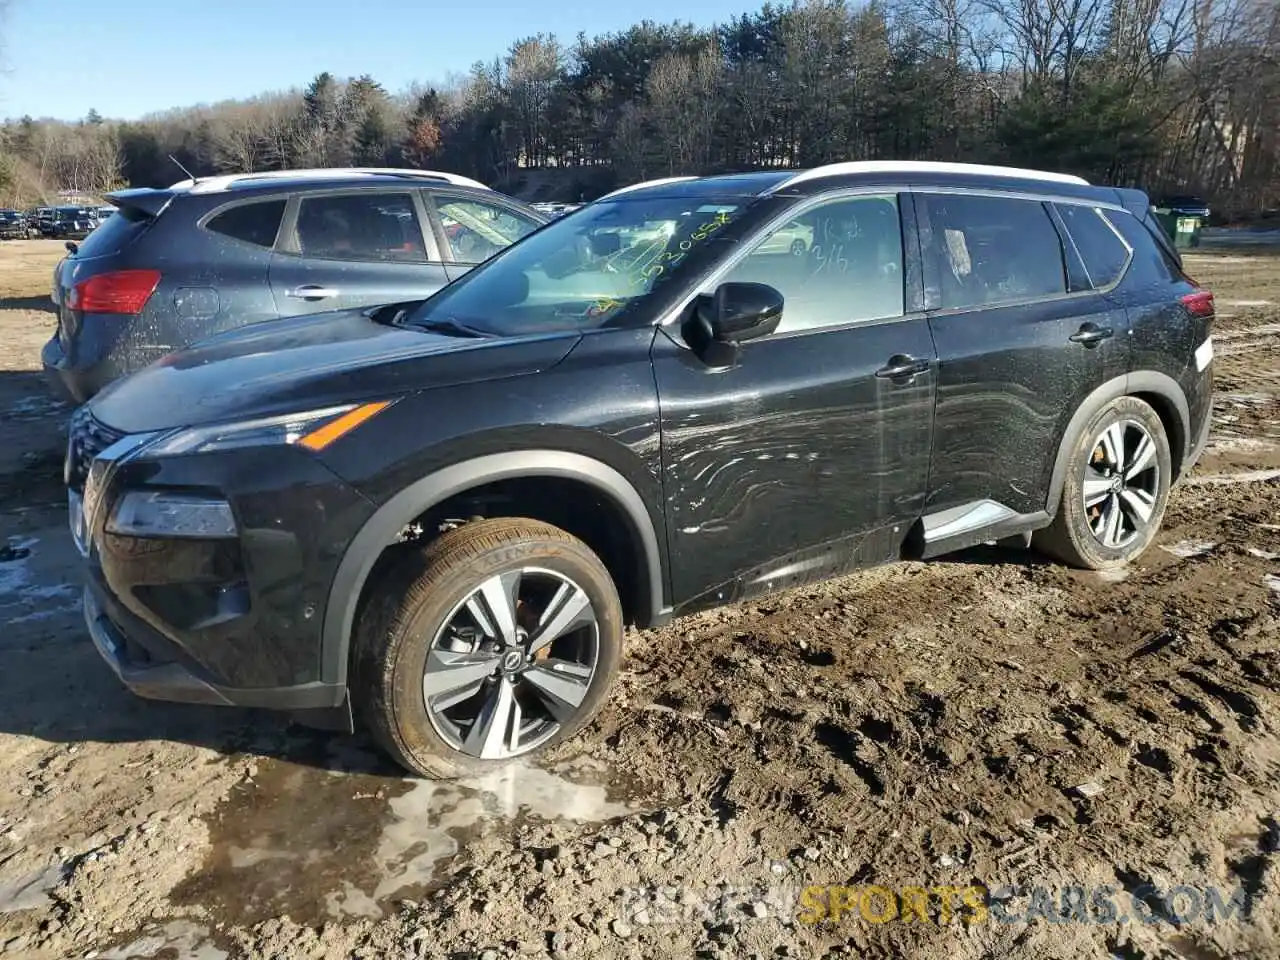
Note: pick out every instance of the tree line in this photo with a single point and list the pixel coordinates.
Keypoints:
(1168, 95)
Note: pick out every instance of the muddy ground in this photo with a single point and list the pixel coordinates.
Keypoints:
(985, 721)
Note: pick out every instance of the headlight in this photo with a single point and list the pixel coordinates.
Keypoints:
(313, 429)
(162, 514)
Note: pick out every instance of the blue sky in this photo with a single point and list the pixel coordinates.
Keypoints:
(126, 58)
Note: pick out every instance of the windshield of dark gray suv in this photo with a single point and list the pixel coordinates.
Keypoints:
(583, 270)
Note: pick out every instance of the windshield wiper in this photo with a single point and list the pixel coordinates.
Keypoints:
(450, 325)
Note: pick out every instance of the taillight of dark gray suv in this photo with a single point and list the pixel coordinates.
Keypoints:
(175, 265)
(438, 517)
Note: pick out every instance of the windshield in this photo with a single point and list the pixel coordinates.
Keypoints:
(584, 269)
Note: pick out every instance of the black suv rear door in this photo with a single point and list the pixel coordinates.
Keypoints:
(1023, 336)
(344, 249)
(809, 455)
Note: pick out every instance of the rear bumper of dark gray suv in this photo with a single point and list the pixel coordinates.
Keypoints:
(76, 384)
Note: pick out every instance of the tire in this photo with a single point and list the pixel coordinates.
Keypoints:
(1071, 537)
(418, 610)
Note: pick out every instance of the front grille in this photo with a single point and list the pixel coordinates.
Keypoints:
(86, 438)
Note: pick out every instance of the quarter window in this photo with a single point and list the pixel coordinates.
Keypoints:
(1103, 252)
(837, 263)
(363, 226)
(255, 223)
(988, 250)
(1150, 260)
(475, 230)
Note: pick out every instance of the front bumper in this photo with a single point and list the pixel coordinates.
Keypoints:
(225, 620)
(152, 666)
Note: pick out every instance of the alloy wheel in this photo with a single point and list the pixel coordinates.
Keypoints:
(511, 664)
(1121, 483)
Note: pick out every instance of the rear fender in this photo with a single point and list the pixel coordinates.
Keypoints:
(1140, 381)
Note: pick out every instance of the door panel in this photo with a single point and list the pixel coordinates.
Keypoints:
(348, 250)
(799, 462)
(1010, 374)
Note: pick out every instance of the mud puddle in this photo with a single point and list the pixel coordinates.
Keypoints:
(348, 836)
(175, 940)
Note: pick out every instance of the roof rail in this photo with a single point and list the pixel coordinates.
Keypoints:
(226, 180)
(921, 166)
(642, 185)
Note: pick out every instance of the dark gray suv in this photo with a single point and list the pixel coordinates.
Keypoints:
(178, 264)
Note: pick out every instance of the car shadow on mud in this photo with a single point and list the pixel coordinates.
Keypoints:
(57, 689)
(43, 304)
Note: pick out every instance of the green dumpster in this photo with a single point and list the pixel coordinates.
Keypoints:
(1183, 230)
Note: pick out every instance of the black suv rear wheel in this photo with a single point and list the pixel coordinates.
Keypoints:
(497, 641)
(1116, 489)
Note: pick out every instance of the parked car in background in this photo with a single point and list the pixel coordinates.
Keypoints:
(442, 516)
(794, 238)
(556, 210)
(14, 225)
(1184, 205)
(103, 213)
(69, 223)
(174, 265)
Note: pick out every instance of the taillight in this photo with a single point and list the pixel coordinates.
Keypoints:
(124, 291)
(1199, 304)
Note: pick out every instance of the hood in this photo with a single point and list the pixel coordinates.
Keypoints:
(304, 363)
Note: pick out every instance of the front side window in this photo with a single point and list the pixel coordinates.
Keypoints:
(475, 230)
(991, 250)
(360, 226)
(584, 270)
(839, 262)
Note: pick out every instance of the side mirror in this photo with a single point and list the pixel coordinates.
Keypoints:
(741, 311)
(734, 313)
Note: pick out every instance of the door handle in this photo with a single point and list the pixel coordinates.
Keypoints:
(1090, 334)
(900, 365)
(312, 291)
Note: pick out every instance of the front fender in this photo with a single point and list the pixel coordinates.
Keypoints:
(381, 530)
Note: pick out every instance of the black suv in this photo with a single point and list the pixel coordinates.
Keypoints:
(14, 225)
(443, 513)
(68, 223)
(178, 264)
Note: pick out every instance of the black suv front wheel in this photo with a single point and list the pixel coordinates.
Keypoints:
(1116, 489)
(498, 640)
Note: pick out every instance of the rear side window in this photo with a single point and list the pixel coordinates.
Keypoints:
(361, 226)
(989, 250)
(255, 223)
(1104, 254)
(115, 233)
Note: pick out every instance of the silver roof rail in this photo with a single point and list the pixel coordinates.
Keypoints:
(224, 181)
(921, 166)
(642, 185)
